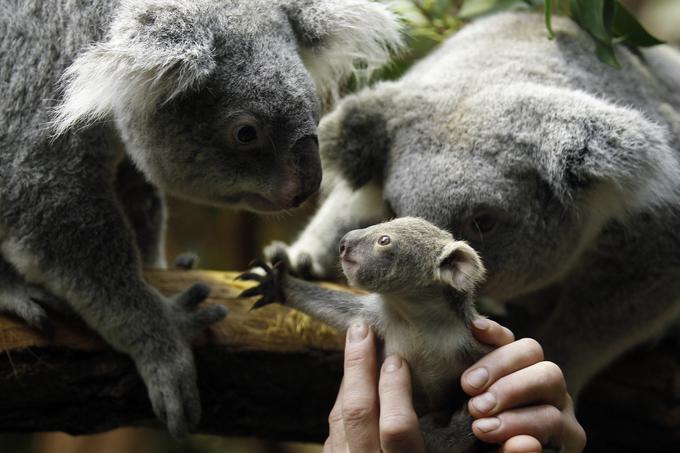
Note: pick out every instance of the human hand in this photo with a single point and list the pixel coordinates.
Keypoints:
(373, 414)
(519, 400)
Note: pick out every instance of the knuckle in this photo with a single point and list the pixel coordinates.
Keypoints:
(396, 429)
(532, 348)
(553, 375)
(335, 417)
(356, 413)
(355, 356)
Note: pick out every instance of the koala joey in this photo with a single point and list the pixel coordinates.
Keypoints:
(422, 283)
(109, 104)
(563, 174)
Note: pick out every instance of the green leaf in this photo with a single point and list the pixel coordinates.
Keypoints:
(548, 18)
(627, 26)
(589, 14)
(605, 52)
(474, 8)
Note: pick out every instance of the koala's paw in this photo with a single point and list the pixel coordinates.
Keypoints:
(25, 303)
(301, 264)
(190, 318)
(186, 261)
(173, 391)
(270, 286)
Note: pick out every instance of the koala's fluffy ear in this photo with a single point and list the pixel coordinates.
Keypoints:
(155, 50)
(354, 139)
(342, 37)
(618, 155)
(460, 267)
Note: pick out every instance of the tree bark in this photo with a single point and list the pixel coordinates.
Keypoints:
(274, 374)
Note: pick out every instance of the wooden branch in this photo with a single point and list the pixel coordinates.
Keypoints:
(274, 374)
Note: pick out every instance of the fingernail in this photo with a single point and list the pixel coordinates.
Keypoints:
(481, 323)
(477, 378)
(487, 424)
(484, 402)
(392, 363)
(357, 332)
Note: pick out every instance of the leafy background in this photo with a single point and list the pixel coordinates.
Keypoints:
(229, 240)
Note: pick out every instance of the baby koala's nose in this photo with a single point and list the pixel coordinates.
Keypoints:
(346, 244)
(344, 248)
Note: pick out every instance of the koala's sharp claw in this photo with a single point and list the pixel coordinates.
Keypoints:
(193, 296)
(262, 302)
(251, 276)
(250, 292)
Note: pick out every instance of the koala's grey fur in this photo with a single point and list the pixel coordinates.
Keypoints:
(105, 105)
(575, 162)
(422, 286)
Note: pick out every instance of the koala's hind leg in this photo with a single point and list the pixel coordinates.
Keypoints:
(315, 253)
(444, 434)
(144, 206)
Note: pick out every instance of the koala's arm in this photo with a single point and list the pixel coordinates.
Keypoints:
(626, 293)
(315, 252)
(64, 229)
(335, 308)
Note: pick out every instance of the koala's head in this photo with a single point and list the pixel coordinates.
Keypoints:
(219, 101)
(406, 254)
(527, 175)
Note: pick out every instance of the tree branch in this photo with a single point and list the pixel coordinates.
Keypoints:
(274, 373)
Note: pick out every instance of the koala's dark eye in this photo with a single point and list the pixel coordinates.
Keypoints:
(384, 240)
(480, 224)
(246, 135)
(245, 132)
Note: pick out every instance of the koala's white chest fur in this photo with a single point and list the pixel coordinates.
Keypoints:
(432, 347)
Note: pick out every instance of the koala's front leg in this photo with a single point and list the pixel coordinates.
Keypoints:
(335, 308)
(70, 236)
(315, 253)
(604, 313)
(144, 207)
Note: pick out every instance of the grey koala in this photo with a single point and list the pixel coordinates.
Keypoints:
(108, 105)
(422, 284)
(562, 173)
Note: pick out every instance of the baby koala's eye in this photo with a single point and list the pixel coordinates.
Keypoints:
(384, 240)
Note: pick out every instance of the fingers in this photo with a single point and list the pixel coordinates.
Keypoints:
(542, 383)
(336, 442)
(543, 423)
(399, 428)
(521, 444)
(491, 333)
(359, 396)
(573, 435)
(500, 362)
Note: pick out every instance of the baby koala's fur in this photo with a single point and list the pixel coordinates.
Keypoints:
(421, 282)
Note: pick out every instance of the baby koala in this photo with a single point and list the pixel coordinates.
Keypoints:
(421, 282)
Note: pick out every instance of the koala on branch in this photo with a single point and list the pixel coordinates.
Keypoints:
(421, 306)
(107, 105)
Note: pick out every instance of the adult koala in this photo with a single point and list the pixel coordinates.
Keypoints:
(215, 101)
(562, 172)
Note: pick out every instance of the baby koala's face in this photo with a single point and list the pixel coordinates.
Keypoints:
(394, 256)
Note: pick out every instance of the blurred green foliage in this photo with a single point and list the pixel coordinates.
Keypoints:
(429, 22)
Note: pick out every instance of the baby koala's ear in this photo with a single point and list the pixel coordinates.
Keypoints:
(460, 267)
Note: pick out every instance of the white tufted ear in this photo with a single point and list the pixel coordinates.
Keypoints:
(460, 267)
(340, 38)
(156, 49)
